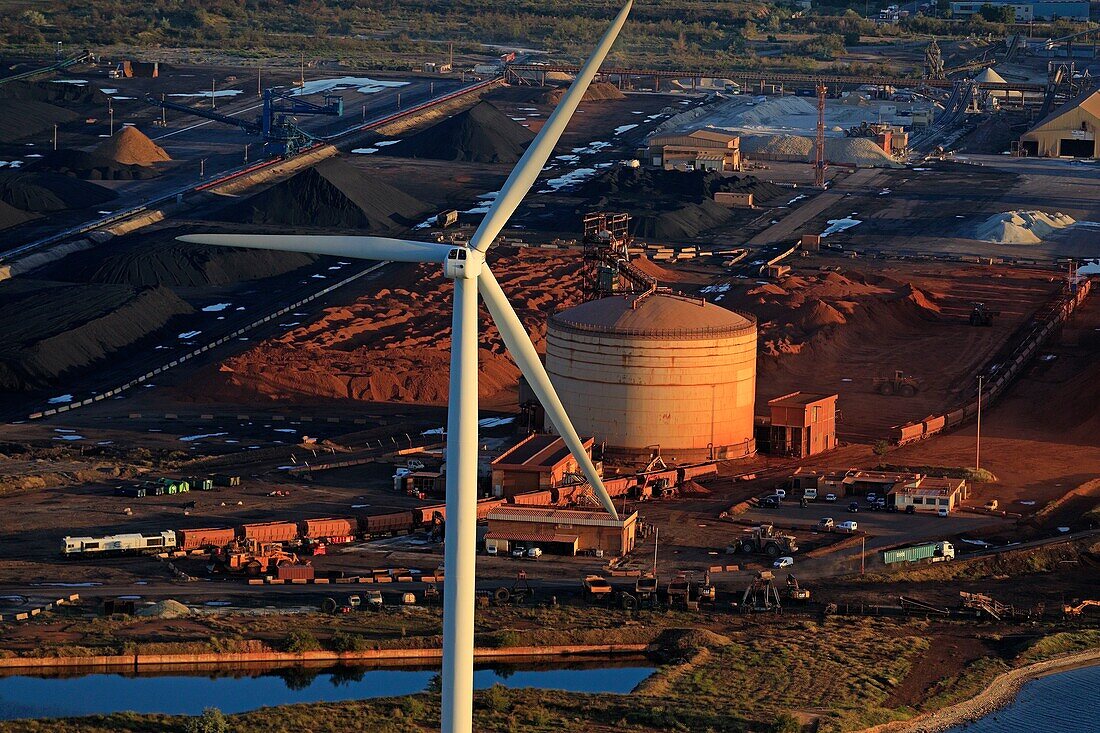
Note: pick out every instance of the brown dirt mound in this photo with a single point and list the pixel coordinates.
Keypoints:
(598, 91)
(131, 147)
(920, 298)
(394, 345)
(820, 314)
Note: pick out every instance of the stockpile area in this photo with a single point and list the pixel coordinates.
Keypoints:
(332, 194)
(91, 166)
(12, 217)
(42, 191)
(52, 328)
(131, 147)
(34, 108)
(598, 91)
(1022, 227)
(860, 151)
(149, 258)
(394, 345)
(671, 204)
(481, 134)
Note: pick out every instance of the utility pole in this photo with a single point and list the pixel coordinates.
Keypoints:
(246, 152)
(431, 89)
(111, 112)
(978, 438)
(202, 168)
(656, 541)
(399, 100)
(819, 156)
(863, 555)
(55, 136)
(213, 83)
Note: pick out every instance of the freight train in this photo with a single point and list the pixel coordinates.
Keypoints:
(120, 544)
(347, 529)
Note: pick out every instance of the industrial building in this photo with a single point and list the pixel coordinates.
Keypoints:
(657, 374)
(710, 150)
(1026, 12)
(535, 463)
(801, 424)
(931, 494)
(1071, 131)
(560, 531)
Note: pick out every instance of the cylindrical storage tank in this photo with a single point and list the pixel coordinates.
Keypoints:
(664, 372)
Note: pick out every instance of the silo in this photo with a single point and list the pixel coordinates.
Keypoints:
(663, 372)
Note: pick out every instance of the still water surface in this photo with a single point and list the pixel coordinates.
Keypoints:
(189, 693)
(1067, 702)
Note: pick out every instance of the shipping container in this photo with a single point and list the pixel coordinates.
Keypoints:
(133, 491)
(931, 551)
(199, 483)
(326, 528)
(269, 531)
(222, 479)
(197, 539)
(295, 572)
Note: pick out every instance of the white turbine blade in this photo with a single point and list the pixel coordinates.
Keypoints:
(527, 359)
(362, 248)
(539, 151)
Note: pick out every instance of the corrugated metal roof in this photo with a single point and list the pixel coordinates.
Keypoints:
(544, 515)
(1088, 101)
(531, 536)
(537, 451)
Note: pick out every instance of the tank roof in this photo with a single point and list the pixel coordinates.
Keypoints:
(660, 315)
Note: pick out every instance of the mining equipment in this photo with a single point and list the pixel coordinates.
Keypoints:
(899, 384)
(431, 594)
(645, 589)
(276, 124)
(795, 592)
(520, 591)
(765, 539)
(606, 247)
(761, 595)
(820, 164)
(1078, 609)
(980, 605)
(596, 587)
(933, 61)
(253, 558)
(679, 589)
(982, 316)
(374, 600)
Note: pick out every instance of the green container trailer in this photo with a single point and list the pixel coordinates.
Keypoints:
(201, 484)
(930, 552)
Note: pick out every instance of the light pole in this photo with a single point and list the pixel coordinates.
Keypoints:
(111, 112)
(213, 85)
(246, 152)
(978, 438)
(55, 137)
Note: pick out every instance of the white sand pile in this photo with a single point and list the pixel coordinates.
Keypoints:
(167, 608)
(860, 151)
(774, 111)
(1021, 227)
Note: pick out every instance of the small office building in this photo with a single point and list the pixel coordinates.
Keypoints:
(800, 424)
(931, 494)
(560, 531)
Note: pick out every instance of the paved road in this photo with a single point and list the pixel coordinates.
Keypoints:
(794, 224)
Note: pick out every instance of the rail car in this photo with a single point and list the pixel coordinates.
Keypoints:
(120, 544)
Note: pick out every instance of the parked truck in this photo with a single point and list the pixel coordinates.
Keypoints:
(764, 539)
(928, 552)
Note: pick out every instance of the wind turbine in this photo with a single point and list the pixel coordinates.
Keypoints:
(472, 276)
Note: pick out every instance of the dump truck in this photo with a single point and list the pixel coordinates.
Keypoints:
(928, 552)
(596, 587)
(980, 315)
(898, 384)
(765, 539)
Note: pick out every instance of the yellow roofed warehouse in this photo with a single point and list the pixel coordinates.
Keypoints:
(1071, 131)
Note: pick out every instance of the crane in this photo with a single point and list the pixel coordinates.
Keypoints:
(275, 123)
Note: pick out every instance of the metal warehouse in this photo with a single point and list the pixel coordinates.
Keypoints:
(536, 462)
(1071, 131)
(561, 531)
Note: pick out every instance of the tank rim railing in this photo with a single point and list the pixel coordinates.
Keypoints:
(663, 333)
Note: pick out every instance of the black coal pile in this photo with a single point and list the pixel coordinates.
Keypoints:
(481, 134)
(34, 108)
(671, 204)
(157, 258)
(41, 191)
(13, 217)
(331, 194)
(91, 166)
(54, 329)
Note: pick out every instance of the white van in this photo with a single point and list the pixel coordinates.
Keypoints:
(810, 494)
(942, 511)
(848, 526)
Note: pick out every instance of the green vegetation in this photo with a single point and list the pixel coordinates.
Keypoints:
(706, 34)
(974, 475)
(212, 720)
(1066, 642)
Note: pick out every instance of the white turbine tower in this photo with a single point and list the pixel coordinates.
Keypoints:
(467, 267)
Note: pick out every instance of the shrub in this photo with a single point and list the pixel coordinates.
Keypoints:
(301, 641)
(212, 720)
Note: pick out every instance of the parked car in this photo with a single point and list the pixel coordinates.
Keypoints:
(781, 493)
(991, 505)
(519, 551)
(872, 497)
(854, 506)
(848, 526)
(830, 497)
(534, 553)
(783, 562)
(880, 503)
(942, 511)
(810, 494)
(826, 523)
(770, 502)
(910, 509)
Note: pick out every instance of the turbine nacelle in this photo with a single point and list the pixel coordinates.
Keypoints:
(463, 263)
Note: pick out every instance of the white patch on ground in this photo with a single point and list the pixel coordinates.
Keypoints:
(624, 128)
(384, 143)
(487, 200)
(365, 151)
(68, 437)
(189, 334)
(216, 308)
(70, 81)
(572, 178)
(839, 225)
(361, 84)
(60, 400)
(219, 93)
(718, 288)
(493, 422)
(192, 438)
(285, 430)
